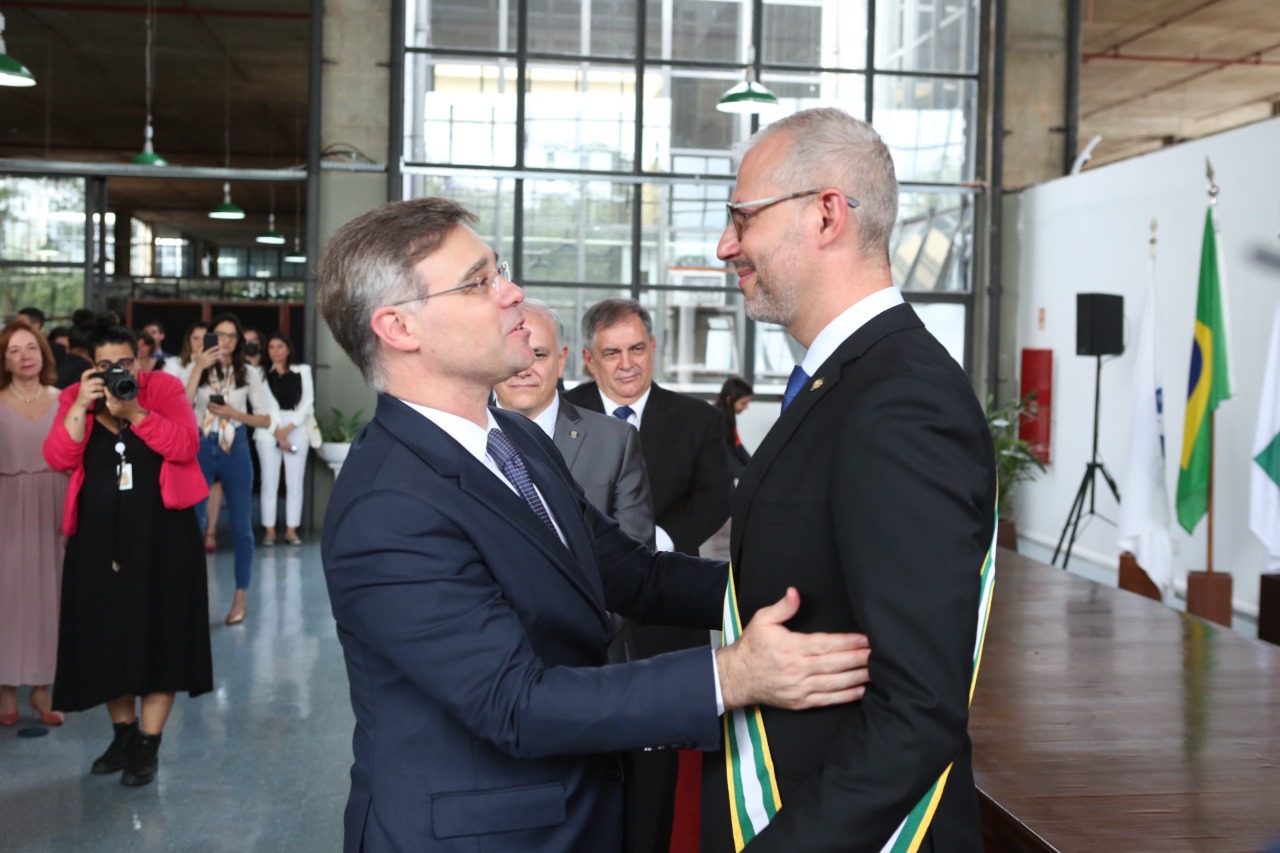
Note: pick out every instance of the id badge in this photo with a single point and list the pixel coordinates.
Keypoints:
(126, 477)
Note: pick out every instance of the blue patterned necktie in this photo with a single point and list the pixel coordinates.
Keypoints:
(510, 463)
(795, 382)
(624, 413)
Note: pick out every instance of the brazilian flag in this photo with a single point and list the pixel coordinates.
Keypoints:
(1208, 385)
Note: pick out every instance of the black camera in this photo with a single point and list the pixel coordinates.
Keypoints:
(119, 382)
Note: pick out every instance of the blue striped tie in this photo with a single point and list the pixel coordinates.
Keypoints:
(510, 463)
(794, 383)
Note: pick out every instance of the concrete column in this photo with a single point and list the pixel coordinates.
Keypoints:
(1036, 59)
(355, 90)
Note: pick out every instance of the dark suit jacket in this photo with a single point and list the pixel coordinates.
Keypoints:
(683, 442)
(604, 456)
(874, 495)
(474, 642)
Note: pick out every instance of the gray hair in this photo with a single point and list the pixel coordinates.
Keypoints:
(369, 264)
(610, 312)
(830, 148)
(537, 306)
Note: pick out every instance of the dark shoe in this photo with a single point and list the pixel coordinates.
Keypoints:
(112, 761)
(140, 766)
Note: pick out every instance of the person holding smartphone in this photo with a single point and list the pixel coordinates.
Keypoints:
(223, 388)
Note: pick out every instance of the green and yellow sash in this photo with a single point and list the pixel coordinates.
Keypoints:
(753, 787)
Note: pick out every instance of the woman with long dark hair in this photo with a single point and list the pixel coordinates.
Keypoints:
(733, 399)
(223, 388)
(134, 627)
(291, 388)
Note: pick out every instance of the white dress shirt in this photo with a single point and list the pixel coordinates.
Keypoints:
(849, 321)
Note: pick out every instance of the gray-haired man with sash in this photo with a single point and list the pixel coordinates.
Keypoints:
(874, 496)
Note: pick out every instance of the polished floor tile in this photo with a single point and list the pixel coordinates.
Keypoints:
(261, 763)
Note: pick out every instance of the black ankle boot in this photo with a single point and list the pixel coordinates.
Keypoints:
(112, 761)
(140, 765)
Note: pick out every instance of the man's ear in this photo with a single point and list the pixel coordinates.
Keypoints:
(835, 218)
(390, 327)
(564, 359)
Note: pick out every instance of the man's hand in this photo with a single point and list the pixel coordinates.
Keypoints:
(770, 665)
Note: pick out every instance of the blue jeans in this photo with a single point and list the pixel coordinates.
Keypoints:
(235, 470)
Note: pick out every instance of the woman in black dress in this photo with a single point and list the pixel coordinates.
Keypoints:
(733, 399)
(135, 611)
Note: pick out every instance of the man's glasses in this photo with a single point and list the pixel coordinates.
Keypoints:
(742, 211)
(485, 280)
(124, 364)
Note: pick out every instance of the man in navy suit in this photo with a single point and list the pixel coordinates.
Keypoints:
(470, 578)
(873, 493)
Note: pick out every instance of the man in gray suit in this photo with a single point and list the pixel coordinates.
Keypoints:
(602, 453)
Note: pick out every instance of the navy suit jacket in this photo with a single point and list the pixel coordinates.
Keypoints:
(475, 641)
(874, 495)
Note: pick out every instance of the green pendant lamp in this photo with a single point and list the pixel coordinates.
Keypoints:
(148, 155)
(271, 236)
(748, 96)
(227, 210)
(12, 72)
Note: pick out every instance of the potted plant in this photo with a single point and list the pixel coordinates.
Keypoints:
(337, 432)
(1016, 460)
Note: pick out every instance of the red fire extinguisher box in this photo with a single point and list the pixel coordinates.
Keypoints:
(1037, 379)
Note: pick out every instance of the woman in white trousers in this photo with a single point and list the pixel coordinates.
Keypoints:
(291, 386)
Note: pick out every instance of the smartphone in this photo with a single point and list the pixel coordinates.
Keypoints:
(218, 398)
(210, 340)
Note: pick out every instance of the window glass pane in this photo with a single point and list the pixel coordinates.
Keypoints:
(683, 131)
(42, 219)
(465, 113)
(490, 199)
(680, 227)
(56, 292)
(929, 125)
(577, 231)
(927, 36)
(597, 27)
(776, 353)
(932, 245)
(945, 320)
(713, 30)
(800, 91)
(827, 33)
(580, 117)
(459, 24)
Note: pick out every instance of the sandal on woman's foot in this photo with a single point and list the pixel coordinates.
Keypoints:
(292, 540)
(269, 541)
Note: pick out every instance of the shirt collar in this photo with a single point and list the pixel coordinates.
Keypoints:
(849, 321)
(474, 439)
(637, 406)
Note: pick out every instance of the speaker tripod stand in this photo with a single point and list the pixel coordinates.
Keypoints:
(1088, 484)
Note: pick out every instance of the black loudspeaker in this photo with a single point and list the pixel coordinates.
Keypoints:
(1099, 324)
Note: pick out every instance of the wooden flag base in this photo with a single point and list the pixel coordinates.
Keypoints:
(1269, 608)
(1134, 579)
(1209, 596)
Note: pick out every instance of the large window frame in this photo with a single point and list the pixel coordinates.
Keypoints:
(936, 242)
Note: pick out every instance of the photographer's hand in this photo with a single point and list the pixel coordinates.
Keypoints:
(125, 410)
(91, 388)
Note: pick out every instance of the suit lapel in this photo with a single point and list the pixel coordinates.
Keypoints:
(451, 460)
(570, 432)
(578, 563)
(824, 379)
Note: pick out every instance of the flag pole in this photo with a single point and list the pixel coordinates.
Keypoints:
(1209, 564)
(1212, 190)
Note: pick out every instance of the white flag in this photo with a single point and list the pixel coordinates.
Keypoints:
(1144, 505)
(1264, 473)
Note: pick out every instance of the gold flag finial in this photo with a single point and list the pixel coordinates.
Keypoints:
(1152, 241)
(1213, 188)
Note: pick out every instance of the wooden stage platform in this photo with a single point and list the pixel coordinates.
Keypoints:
(1104, 721)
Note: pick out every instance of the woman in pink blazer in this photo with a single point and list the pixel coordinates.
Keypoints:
(135, 611)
